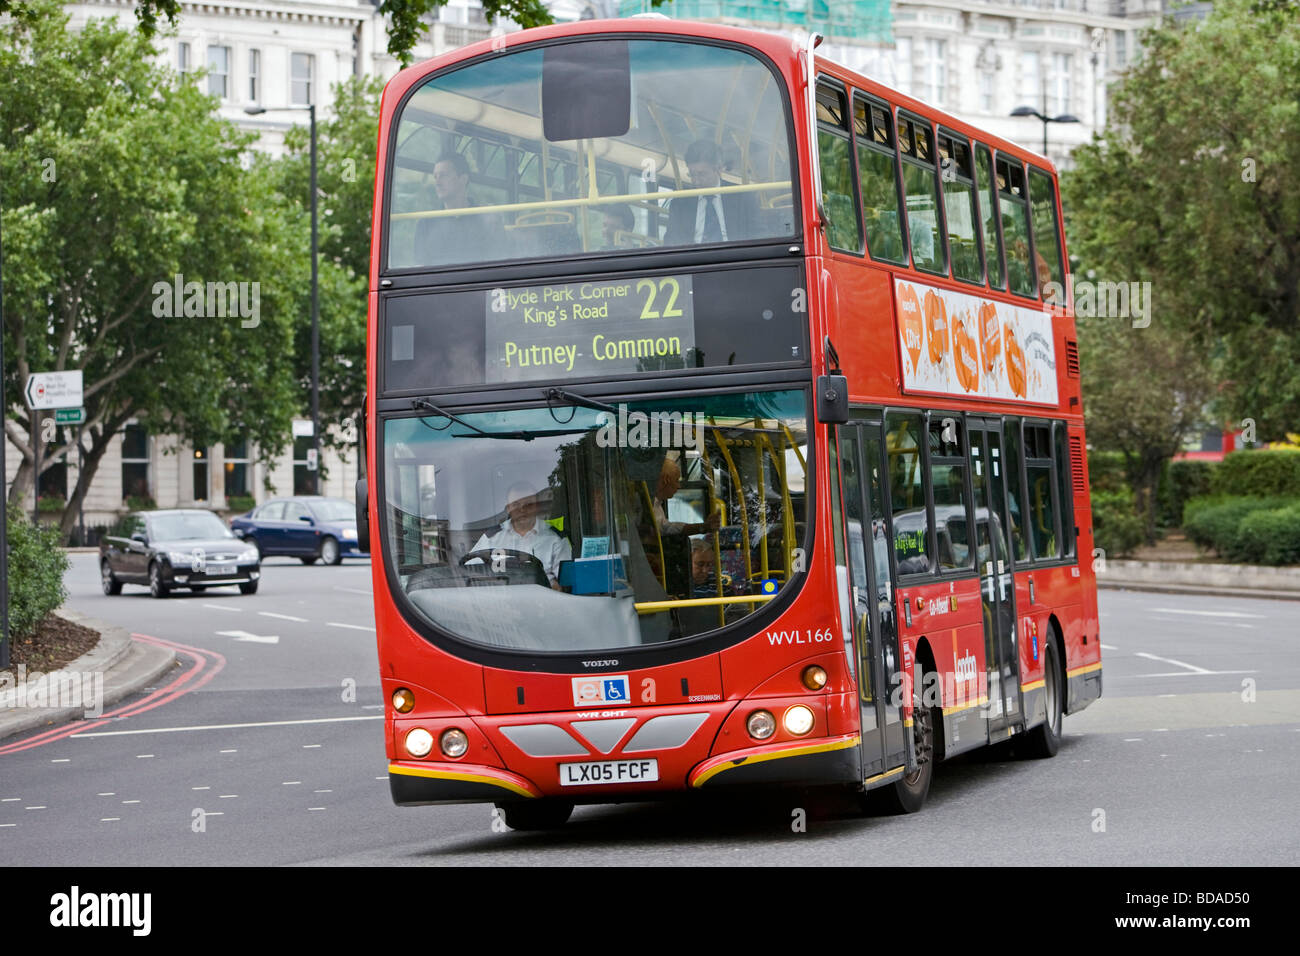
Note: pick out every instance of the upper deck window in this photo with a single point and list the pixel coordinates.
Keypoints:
(1014, 202)
(921, 186)
(588, 147)
(959, 208)
(873, 127)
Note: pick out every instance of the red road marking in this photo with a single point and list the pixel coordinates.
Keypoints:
(207, 664)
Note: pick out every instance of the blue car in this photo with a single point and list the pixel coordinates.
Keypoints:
(308, 527)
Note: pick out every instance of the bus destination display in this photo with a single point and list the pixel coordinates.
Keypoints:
(608, 327)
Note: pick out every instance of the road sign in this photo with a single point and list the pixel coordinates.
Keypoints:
(312, 461)
(54, 390)
(69, 416)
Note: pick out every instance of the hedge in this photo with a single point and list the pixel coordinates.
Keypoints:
(1271, 536)
(1258, 473)
(36, 568)
(1179, 481)
(1218, 522)
(1116, 527)
(1106, 471)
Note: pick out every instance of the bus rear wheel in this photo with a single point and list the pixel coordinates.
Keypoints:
(1045, 739)
(536, 814)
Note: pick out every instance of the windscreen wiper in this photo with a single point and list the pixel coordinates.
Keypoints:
(575, 399)
(516, 435)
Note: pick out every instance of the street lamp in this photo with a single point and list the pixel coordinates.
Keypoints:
(1030, 111)
(315, 293)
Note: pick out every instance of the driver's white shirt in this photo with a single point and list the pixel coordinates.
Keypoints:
(540, 541)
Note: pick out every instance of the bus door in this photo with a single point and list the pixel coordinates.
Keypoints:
(872, 586)
(1001, 661)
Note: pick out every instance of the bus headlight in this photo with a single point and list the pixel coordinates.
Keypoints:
(761, 725)
(419, 742)
(814, 677)
(454, 743)
(798, 720)
(403, 700)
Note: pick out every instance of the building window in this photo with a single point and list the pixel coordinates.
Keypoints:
(135, 462)
(236, 470)
(936, 71)
(1121, 49)
(183, 58)
(219, 71)
(986, 92)
(304, 479)
(301, 76)
(200, 471)
(1031, 92)
(254, 76)
(903, 63)
(1058, 100)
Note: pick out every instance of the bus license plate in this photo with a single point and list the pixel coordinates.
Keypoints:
(608, 771)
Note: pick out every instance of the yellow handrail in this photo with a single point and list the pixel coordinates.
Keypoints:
(589, 201)
(652, 607)
(732, 470)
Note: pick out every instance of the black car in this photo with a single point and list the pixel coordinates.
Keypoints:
(170, 549)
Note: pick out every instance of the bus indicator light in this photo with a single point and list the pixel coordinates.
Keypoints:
(403, 700)
(814, 677)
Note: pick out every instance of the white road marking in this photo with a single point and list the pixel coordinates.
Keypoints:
(228, 796)
(283, 617)
(322, 791)
(371, 706)
(1131, 740)
(356, 591)
(16, 799)
(260, 723)
(1166, 695)
(137, 756)
(130, 801)
(291, 783)
(350, 627)
(200, 788)
(381, 778)
(213, 813)
(1250, 627)
(1169, 660)
(8, 824)
(177, 728)
(224, 607)
(311, 746)
(315, 808)
(36, 808)
(108, 794)
(1197, 673)
(62, 760)
(1180, 610)
(109, 819)
(246, 636)
(1109, 647)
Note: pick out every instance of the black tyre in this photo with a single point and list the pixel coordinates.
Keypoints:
(311, 560)
(248, 587)
(157, 587)
(330, 552)
(908, 795)
(536, 814)
(110, 584)
(1045, 739)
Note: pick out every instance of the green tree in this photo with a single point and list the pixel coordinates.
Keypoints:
(114, 179)
(406, 17)
(1191, 188)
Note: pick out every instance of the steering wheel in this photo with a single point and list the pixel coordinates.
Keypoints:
(523, 557)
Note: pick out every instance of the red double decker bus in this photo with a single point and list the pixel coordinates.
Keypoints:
(722, 427)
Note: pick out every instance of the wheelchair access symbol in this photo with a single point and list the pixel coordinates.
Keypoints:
(599, 691)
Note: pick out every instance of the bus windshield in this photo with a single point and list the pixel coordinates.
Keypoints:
(580, 147)
(576, 529)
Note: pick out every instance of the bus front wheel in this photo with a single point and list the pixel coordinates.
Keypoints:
(536, 814)
(908, 795)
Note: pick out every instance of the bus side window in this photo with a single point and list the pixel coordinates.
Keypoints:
(951, 511)
(839, 193)
(873, 128)
(1060, 445)
(958, 180)
(1014, 208)
(1015, 495)
(907, 479)
(1042, 492)
(921, 184)
(1042, 197)
(989, 208)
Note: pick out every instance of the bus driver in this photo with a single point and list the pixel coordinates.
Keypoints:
(522, 531)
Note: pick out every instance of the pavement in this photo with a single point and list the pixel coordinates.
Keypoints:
(117, 667)
(1222, 580)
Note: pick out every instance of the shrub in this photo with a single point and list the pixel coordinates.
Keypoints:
(1258, 473)
(1116, 526)
(50, 504)
(1271, 536)
(241, 503)
(1216, 522)
(36, 568)
(140, 503)
(1180, 481)
(1106, 471)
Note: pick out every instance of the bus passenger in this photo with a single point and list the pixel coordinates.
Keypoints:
(617, 219)
(463, 238)
(703, 580)
(670, 480)
(522, 531)
(716, 217)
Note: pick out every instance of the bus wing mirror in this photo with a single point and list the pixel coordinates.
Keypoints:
(363, 516)
(832, 399)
